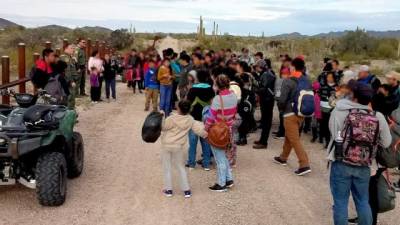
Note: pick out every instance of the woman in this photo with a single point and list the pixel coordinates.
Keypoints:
(109, 76)
(165, 78)
(223, 106)
(95, 61)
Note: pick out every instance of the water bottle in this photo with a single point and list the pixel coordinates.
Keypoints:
(339, 147)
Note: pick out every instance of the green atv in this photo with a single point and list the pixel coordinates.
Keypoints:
(39, 148)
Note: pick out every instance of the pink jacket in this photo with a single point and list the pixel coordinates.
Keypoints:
(317, 101)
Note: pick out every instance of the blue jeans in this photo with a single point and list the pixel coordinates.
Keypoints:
(110, 84)
(223, 168)
(343, 180)
(165, 98)
(206, 149)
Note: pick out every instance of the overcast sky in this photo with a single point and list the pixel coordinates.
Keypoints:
(234, 16)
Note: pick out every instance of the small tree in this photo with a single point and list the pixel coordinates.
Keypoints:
(121, 39)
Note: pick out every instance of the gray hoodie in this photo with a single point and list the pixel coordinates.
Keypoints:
(338, 116)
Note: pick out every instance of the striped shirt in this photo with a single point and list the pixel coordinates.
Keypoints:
(230, 108)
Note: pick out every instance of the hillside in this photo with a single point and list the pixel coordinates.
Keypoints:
(6, 23)
(377, 34)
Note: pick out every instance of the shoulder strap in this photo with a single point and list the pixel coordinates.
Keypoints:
(222, 107)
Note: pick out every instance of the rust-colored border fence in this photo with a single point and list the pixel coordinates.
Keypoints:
(23, 78)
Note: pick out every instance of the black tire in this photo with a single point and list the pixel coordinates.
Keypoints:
(76, 156)
(51, 179)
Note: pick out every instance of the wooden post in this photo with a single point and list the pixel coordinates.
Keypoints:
(88, 48)
(36, 56)
(65, 44)
(21, 66)
(47, 44)
(5, 76)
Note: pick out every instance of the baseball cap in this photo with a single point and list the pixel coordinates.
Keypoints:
(364, 68)
(394, 75)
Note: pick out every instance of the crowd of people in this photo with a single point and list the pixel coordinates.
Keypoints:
(219, 86)
(197, 90)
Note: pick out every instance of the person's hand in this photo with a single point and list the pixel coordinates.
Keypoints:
(205, 135)
(162, 112)
(73, 84)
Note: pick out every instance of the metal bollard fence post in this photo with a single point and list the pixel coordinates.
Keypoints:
(5, 76)
(21, 66)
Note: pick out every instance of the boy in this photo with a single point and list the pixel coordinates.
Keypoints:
(152, 87)
(174, 142)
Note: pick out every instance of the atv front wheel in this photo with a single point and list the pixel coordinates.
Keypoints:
(76, 156)
(51, 179)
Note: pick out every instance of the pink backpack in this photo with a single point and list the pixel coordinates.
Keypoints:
(360, 137)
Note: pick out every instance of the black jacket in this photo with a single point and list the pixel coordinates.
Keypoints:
(266, 89)
(206, 94)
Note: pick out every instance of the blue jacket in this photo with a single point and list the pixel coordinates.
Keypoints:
(150, 80)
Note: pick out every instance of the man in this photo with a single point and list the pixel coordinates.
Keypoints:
(186, 67)
(388, 97)
(197, 59)
(344, 177)
(267, 101)
(43, 68)
(81, 63)
(72, 76)
(292, 122)
(365, 77)
(245, 57)
(338, 73)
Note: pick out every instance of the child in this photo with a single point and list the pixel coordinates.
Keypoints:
(94, 85)
(165, 77)
(174, 142)
(152, 87)
(316, 119)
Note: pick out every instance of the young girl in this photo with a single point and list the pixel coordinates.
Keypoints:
(165, 78)
(174, 142)
(94, 85)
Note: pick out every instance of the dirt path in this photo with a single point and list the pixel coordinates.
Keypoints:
(122, 182)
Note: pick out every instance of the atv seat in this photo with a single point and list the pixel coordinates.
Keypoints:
(43, 116)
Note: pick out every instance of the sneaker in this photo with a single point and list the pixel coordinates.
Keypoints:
(168, 193)
(396, 186)
(187, 194)
(190, 167)
(279, 161)
(303, 171)
(353, 221)
(200, 162)
(229, 184)
(279, 137)
(260, 146)
(242, 142)
(218, 188)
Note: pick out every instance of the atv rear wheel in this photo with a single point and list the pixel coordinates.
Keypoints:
(51, 179)
(76, 156)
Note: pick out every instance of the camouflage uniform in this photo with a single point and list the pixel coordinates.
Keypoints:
(81, 61)
(71, 75)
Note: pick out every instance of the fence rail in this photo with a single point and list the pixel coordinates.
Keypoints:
(100, 46)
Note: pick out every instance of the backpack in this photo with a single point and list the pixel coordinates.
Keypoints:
(390, 157)
(245, 108)
(360, 137)
(152, 126)
(385, 192)
(303, 103)
(196, 101)
(54, 88)
(219, 134)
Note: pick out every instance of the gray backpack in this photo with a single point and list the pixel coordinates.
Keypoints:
(390, 157)
(55, 89)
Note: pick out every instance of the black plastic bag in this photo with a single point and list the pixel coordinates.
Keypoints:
(151, 129)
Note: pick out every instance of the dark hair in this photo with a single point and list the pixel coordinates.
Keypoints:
(94, 53)
(230, 73)
(197, 55)
(268, 63)
(80, 39)
(209, 54)
(46, 52)
(326, 60)
(59, 67)
(133, 50)
(244, 66)
(203, 76)
(228, 50)
(336, 61)
(260, 54)
(328, 67)
(222, 82)
(184, 106)
(185, 57)
(217, 71)
(362, 98)
(245, 78)
(298, 64)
